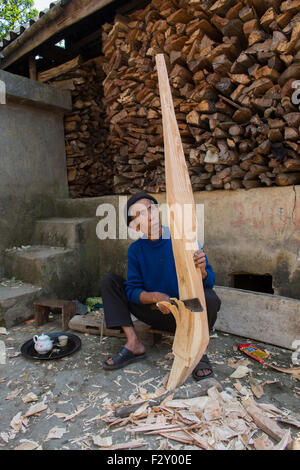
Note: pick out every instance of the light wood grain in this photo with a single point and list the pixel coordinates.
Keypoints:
(191, 338)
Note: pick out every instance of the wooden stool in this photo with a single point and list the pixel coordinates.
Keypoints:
(43, 307)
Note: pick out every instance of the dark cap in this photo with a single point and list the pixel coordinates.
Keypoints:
(133, 199)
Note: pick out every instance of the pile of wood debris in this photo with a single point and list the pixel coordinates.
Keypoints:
(225, 420)
(198, 415)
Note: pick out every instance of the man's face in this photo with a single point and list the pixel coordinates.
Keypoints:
(146, 218)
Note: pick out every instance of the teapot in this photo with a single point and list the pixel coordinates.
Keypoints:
(42, 344)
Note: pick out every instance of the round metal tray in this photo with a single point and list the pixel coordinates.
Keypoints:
(74, 343)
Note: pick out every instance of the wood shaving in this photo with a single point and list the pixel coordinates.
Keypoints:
(215, 421)
(56, 433)
(27, 445)
(240, 372)
(34, 409)
(29, 397)
(79, 410)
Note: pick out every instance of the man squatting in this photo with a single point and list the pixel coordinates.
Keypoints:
(151, 278)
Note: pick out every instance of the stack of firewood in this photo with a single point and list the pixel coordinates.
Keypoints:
(89, 162)
(232, 67)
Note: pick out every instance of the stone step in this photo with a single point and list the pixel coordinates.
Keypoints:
(16, 301)
(85, 206)
(64, 232)
(272, 319)
(55, 269)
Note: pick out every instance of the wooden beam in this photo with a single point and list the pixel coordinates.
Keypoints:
(192, 336)
(32, 67)
(56, 20)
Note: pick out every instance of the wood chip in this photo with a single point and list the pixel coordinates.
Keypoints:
(29, 397)
(240, 372)
(288, 420)
(263, 442)
(212, 410)
(189, 416)
(141, 411)
(154, 427)
(256, 387)
(126, 445)
(199, 440)
(295, 371)
(4, 436)
(18, 422)
(197, 403)
(241, 389)
(56, 433)
(102, 441)
(13, 394)
(263, 422)
(34, 409)
(286, 438)
(26, 376)
(60, 415)
(27, 445)
(296, 443)
(79, 410)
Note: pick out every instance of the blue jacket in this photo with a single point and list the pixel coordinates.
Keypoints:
(151, 268)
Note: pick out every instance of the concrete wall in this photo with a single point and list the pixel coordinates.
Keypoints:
(253, 231)
(32, 156)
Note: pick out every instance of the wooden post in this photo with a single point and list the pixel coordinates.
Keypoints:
(32, 67)
(192, 336)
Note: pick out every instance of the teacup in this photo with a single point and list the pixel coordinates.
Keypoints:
(62, 341)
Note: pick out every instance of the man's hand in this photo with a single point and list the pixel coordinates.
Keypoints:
(153, 298)
(160, 297)
(200, 262)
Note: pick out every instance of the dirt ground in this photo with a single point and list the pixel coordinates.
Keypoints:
(76, 392)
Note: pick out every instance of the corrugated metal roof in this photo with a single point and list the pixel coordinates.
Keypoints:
(15, 33)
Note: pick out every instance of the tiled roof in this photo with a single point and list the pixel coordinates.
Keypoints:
(15, 33)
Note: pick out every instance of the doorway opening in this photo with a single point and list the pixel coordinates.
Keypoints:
(253, 282)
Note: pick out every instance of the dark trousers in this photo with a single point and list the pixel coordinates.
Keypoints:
(117, 308)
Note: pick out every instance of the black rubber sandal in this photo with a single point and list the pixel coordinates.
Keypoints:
(203, 364)
(124, 357)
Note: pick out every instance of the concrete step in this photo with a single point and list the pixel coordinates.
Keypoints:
(85, 206)
(55, 269)
(272, 319)
(16, 301)
(64, 232)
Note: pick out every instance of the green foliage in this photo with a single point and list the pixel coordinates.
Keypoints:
(14, 13)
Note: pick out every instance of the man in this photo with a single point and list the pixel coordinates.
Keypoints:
(151, 278)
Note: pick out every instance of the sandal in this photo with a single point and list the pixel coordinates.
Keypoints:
(203, 364)
(124, 357)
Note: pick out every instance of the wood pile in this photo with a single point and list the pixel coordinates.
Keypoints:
(232, 67)
(89, 162)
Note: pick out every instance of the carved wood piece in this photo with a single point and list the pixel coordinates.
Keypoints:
(192, 336)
